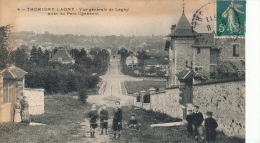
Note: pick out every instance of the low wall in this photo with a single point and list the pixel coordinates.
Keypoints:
(147, 106)
(35, 98)
(167, 103)
(227, 102)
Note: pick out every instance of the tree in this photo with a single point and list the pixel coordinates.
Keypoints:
(21, 58)
(142, 56)
(83, 95)
(46, 56)
(55, 50)
(34, 55)
(4, 48)
(94, 51)
(81, 55)
(40, 56)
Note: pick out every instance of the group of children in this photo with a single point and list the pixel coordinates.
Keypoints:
(93, 116)
(195, 127)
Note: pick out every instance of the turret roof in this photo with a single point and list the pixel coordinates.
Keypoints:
(183, 28)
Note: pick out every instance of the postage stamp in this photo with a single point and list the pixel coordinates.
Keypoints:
(122, 71)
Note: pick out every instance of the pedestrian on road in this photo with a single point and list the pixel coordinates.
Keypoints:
(103, 119)
(93, 115)
(210, 128)
(197, 119)
(117, 120)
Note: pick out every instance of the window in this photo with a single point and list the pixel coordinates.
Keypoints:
(147, 98)
(236, 50)
(198, 50)
(138, 99)
(212, 71)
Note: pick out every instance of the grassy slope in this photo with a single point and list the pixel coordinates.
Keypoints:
(137, 86)
(63, 115)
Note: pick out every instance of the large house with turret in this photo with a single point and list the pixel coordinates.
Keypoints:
(206, 54)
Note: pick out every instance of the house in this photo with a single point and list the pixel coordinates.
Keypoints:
(207, 53)
(156, 62)
(62, 56)
(131, 61)
(11, 87)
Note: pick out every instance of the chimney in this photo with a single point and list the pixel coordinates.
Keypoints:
(173, 28)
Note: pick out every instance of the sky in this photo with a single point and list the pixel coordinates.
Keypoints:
(144, 17)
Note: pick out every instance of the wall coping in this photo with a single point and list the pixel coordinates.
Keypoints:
(173, 87)
(219, 81)
(34, 89)
(157, 93)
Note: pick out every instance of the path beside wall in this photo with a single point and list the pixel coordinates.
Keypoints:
(35, 99)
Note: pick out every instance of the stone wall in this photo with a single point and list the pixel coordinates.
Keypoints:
(167, 103)
(183, 51)
(202, 59)
(227, 102)
(226, 45)
(35, 99)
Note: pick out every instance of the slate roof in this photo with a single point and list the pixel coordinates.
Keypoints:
(155, 61)
(232, 67)
(183, 28)
(61, 53)
(13, 72)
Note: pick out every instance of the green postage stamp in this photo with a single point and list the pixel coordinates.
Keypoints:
(231, 17)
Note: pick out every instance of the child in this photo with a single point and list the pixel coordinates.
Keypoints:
(117, 120)
(103, 119)
(210, 127)
(93, 120)
(197, 119)
(189, 124)
(132, 123)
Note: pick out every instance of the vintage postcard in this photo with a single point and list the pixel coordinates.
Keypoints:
(130, 71)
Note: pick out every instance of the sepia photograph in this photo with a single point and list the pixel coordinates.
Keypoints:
(123, 71)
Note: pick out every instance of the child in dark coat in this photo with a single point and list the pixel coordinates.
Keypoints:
(210, 127)
(103, 119)
(132, 123)
(189, 123)
(93, 115)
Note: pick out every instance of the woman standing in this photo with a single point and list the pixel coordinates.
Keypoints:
(17, 111)
(25, 111)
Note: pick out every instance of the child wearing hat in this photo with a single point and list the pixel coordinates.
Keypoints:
(189, 123)
(210, 128)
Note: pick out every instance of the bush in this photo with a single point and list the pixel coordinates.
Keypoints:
(83, 95)
(58, 81)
